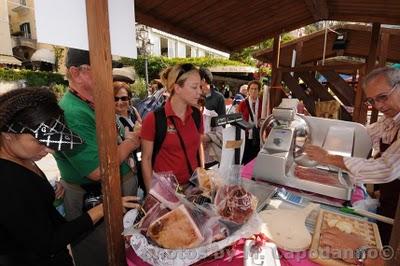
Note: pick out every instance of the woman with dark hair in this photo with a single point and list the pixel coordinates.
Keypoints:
(32, 232)
(251, 111)
(180, 151)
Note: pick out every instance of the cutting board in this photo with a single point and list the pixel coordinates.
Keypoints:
(287, 229)
(360, 227)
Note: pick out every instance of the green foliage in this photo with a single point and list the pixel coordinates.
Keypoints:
(59, 89)
(58, 53)
(139, 88)
(32, 78)
(156, 64)
(245, 55)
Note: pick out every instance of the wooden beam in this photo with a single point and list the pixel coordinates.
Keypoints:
(395, 239)
(383, 52)
(299, 53)
(318, 9)
(276, 87)
(298, 92)
(371, 60)
(321, 68)
(321, 93)
(360, 109)
(100, 62)
(342, 90)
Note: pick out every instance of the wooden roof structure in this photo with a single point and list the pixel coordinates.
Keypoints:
(357, 45)
(232, 25)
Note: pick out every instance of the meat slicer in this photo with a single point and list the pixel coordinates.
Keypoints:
(283, 135)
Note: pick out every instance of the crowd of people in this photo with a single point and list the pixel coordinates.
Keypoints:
(170, 137)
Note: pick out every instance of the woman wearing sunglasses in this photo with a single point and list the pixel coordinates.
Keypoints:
(32, 232)
(181, 150)
(126, 113)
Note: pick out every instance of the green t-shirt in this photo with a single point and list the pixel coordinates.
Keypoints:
(75, 165)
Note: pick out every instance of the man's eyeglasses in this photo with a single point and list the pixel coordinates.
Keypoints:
(122, 98)
(184, 68)
(381, 98)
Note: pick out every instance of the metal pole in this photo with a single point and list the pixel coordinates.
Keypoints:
(325, 39)
(146, 70)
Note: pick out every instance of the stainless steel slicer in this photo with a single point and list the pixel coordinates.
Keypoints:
(283, 135)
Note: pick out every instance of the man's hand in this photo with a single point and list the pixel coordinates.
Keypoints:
(315, 153)
(59, 191)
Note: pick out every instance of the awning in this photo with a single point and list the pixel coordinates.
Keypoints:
(43, 55)
(233, 69)
(9, 60)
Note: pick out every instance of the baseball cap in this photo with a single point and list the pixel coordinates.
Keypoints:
(53, 134)
(77, 57)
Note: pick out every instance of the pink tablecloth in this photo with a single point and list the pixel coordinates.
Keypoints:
(235, 255)
(232, 257)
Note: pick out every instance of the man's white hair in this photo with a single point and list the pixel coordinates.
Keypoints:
(391, 74)
(243, 89)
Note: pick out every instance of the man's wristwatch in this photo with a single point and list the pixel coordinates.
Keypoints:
(360, 255)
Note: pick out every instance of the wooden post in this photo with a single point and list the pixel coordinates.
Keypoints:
(275, 91)
(371, 61)
(395, 239)
(383, 51)
(101, 65)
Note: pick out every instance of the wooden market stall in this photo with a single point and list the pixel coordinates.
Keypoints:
(348, 40)
(225, 25)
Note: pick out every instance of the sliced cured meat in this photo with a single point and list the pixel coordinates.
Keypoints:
(175, 230)
(234, 203)
(316, 175)
(153, 214)
(149, 202)
(163, 188)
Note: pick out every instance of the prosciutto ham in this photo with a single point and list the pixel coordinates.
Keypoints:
(234, 203)
(316, 175)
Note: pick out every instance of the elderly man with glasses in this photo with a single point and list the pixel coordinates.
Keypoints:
(80, 172)
(382, 89)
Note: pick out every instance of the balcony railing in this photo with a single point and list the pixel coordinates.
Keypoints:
(24, 41)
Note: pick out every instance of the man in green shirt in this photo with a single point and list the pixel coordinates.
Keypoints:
(80, 173)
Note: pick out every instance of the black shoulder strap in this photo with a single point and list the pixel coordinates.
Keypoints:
(125, 123)
(160, 122)
(196, 115)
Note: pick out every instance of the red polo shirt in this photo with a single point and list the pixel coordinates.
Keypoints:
(171, 157)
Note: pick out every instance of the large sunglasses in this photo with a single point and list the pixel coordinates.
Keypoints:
(122, 98)
(184, 68)
(381, 98)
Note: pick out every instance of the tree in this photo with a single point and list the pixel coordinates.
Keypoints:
(58, 54)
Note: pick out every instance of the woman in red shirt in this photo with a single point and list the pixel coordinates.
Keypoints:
(251, 111)
(180, 157)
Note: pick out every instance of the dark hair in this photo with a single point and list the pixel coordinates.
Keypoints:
(254, 82)
(28, 106)
(206, 75)
(158, 83)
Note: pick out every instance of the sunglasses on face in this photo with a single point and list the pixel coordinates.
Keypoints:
(122, 98)
(184, 68)
(381, 98)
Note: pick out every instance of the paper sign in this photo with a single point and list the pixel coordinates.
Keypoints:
(63, 22)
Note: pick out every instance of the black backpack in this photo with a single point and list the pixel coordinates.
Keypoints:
(161, 128)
